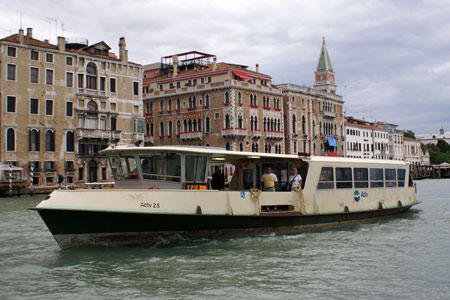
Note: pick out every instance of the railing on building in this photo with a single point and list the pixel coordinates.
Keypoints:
(232, 132)
(329, 114)
(256, 133)
(138, 136)
(268, 134)
(194, 135)
(149, 139)
(87, 133)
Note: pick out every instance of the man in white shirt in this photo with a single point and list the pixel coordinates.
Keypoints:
(295, 180)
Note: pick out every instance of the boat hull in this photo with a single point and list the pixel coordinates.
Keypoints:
(75, 228)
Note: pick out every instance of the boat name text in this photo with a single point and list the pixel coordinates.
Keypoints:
(150, 205)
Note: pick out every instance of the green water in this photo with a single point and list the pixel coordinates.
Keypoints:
(406, 257)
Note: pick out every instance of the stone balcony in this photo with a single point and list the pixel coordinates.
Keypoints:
(256, 133)
(195, 135)
(149, 139)
(277, 135)
(138, 136)
(234, 132)
(88, 133)
(329, 114)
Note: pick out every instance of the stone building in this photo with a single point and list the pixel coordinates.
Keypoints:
(195, 100)
(396, 147)
(61, 104)
(314, 116)
(413, 152)
(364, 139)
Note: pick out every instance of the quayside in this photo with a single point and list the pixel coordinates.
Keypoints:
(171, 193)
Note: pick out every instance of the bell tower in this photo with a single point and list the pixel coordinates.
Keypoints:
(324, 75)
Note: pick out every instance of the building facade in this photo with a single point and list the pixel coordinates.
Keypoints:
(365, 140)
(61, 104)
(396, 147)
(433, 138)
(194, 100)
(413, 152)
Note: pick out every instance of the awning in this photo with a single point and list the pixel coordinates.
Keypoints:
(331, 141)
(242, 75)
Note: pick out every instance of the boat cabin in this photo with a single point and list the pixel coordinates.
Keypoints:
(180, 167)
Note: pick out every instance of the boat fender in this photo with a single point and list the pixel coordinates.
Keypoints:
(380, 206)
(199, 210)
(400, 203)
(346, 210)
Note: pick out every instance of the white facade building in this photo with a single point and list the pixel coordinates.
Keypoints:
(433, 138)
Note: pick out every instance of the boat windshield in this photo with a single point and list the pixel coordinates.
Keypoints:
(123, 167)
(166, 166)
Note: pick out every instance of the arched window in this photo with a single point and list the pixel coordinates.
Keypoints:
(279, 125)
(241, 147)
(207, 100)
(272, 127)
(314, 128)
(10, 140)
(320, 127)
(161, 106)
(70, 142)
(256, 123)
(207, 125)
(251, 122)
(151, 129)
(294, 124)
(240, 98)
(190, 125)
(91, 76)
(178, 103)
(255, 100)
(265, 124)
(170, 128)
(49, 141)
(194, 102)
(170, 104)
(227, 146)
(199, 125)
(195, 125)
(303, 125)
(240, 123)
(251, 99)
(275, 103)
(264, 101)
(227, 98)
(178, 127)
(227, 122)
(33, 144)
(161, 129)
(185, 126)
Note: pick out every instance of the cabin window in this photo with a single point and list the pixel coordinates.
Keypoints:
(123, 167)
(361, 177)
(344, 178)
(195, 168)
(390, 177)
(161, 167)
(376, 178)
(326, 180)
(401, 177)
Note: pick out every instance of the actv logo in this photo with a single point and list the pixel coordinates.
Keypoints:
(356, 196)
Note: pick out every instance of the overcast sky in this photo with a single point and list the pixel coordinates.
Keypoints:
(391, 58)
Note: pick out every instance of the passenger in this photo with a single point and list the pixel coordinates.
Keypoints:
(146, 167)
(295, 180)
(217, 182)
(269, 180)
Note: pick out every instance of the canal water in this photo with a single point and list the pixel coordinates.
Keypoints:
(406, 257)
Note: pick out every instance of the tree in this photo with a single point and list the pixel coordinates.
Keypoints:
(409, 134)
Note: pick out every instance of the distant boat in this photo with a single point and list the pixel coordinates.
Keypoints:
(163, 194)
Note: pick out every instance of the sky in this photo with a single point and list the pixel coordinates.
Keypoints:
(391, 58)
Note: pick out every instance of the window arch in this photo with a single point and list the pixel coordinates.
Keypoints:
(207, 100)
(207, 125)
(265, 124)
(91, 76)
(178, 127)
(33, 140)
(190, 125)
(70, 141)
(227, 97)
(240, 98)
(264, 101)
(256, 123)
(178, 103)
(294, 124)
(170, 132)
(151, 129)
(251, 122)
(240, 122)
(199, 122)
(185, 126)
(161, 106)
(10, 140)
(227, 121)
(251, 99)
(279, 125)
(195, 125)
(49, 141)
(255, 100)
(303, 125)
(161, 129)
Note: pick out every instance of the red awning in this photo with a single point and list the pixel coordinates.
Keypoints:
(242, 75)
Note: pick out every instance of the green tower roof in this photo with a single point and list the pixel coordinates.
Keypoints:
(324, 59)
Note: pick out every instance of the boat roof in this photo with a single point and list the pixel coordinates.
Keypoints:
(216, 152)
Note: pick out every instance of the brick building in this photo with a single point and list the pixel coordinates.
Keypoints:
(61, 104)
(194, 100)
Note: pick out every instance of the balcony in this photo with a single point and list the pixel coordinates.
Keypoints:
(329, 114)
(149, 139)
(195, 135)
(87, 133)
(138, 136)
(277, 135)
(256, 133)
(234, 132)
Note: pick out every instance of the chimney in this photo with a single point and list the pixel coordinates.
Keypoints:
(214, 63)
(29, 32)
(123, 53)
(175, 66)
(46, 41)
(257, 68)
(62, 43)
(21, 36)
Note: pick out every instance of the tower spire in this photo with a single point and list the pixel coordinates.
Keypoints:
(324, 72)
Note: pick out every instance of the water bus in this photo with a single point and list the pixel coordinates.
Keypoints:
(164, 194)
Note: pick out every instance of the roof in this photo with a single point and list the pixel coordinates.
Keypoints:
(348, 124)
(324, 63)
(405, 138)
